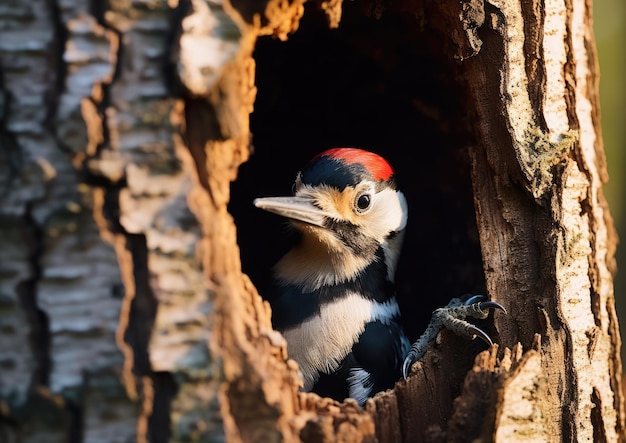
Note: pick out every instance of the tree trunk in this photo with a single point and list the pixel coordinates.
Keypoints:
(134, 136)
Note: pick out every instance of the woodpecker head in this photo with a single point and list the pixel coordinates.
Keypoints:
(350, 214)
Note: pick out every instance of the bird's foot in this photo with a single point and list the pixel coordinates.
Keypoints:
(454, 318)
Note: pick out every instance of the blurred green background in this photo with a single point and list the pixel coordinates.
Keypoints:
(610, 31)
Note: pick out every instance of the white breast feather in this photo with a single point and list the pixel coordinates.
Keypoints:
(319, 344)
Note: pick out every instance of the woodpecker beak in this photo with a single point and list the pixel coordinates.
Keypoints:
(295, 208)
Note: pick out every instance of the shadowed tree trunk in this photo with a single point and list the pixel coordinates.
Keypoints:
(135, 134)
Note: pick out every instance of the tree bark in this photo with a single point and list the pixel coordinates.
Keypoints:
(133, 134)
(546, 231)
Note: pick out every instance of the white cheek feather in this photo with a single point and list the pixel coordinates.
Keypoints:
(321, 343)
(392, 248)
(388, 214)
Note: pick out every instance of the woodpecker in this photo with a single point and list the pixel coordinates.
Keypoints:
(335, 301)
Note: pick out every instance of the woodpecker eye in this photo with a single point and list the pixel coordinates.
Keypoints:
(363, 203)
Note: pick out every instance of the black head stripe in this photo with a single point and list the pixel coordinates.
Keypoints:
(360, 244)
(333, 172)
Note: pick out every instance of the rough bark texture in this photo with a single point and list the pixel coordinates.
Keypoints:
(128, 311)
(546, 232)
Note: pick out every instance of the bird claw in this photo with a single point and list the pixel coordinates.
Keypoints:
(454, 318)
(474, 332)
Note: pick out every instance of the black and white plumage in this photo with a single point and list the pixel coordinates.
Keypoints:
(335, 302)
(336, 305)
